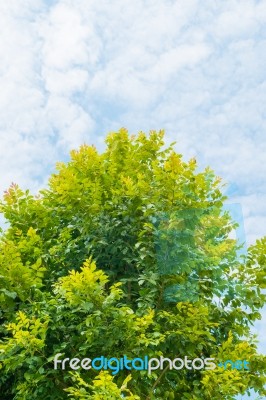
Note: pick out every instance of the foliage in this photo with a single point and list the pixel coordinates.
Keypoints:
(127, 252)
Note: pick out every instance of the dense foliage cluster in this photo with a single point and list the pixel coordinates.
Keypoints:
(126, 252)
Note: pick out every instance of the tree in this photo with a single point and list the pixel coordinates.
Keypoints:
(127, 252)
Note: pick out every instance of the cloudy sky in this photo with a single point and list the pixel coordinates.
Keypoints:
(73, 70)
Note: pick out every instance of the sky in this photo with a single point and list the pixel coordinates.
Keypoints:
(73, 70)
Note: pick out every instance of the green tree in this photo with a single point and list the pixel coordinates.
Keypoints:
(127, 252)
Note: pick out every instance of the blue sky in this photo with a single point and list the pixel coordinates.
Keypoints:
(73, 70)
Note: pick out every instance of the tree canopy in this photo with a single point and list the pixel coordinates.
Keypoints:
(127, 252)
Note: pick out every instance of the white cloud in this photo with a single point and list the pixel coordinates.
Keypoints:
(72, 70)
(237, 21)
(65, 39)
